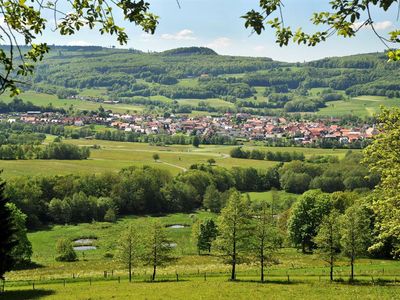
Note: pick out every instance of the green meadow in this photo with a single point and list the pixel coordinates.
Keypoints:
(113, 156)
(291, 275)
(363, 106)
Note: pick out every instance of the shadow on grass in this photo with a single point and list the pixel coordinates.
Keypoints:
(25, 294)
(377, 281)
(28, 266)
(268, 281)
(164, 281)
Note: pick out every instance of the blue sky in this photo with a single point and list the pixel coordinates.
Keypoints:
(217, 24)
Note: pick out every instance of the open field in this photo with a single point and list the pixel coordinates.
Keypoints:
(363, 106)
(113, 156)
(46, 99)
(84, 279)
(197, 288)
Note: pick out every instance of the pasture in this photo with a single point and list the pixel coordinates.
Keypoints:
(362, 106)
(113, 156)
(200, 276)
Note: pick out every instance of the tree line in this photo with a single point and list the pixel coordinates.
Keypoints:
(54, 150)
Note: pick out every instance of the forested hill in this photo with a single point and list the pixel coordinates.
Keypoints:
(200, 73)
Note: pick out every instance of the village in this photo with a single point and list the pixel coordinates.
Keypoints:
(237, 126)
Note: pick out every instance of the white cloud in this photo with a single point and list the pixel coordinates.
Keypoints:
(377, 25)
(79, 43)
(183, 35)
(260, 48)
(220, 43)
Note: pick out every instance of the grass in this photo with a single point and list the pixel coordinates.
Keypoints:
(41, 99)
(84, 279)
(113, 156)
(363, 106)
(213, 288)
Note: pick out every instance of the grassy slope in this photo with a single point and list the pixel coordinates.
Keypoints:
(363, 106)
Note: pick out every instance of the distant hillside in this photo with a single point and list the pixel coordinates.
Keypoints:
(198, 73)
(190, 51)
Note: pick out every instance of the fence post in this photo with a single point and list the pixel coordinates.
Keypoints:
(372, 277)
(105, 274)
(33, 285)
(205, 276)
(288, 279)
(90, 280)
(64, 282)
(119, 279)
(177, 277)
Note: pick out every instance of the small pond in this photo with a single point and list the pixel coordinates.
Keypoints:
(84, 241)
(84, 248)
(176, 226)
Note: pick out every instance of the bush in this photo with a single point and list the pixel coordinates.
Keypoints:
(65, 250)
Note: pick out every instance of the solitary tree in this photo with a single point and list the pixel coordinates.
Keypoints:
(233, 230)
(130, 248)
(356, 234)
(328, 239)
(157, 250)
(7, 235)
(265, 236)
(211, 161)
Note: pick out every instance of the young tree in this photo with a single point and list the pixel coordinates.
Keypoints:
(265, 236)
(233, 230)
(328, 239)
(65, 250)
(306, 216)
(157, 250)
(356, 234)
(130, 248)
(156, 156)
(204, 233)
(22, 251)
(7, 235)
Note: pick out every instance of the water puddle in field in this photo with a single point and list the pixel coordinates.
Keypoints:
(176, 226)
(84, 248)
(83, 241)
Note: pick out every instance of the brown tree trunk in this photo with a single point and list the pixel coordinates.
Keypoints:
(154, 272)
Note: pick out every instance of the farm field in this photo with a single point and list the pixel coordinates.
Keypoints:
(41, 99)
(85, 278)
(363, 106)
(113, 156)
